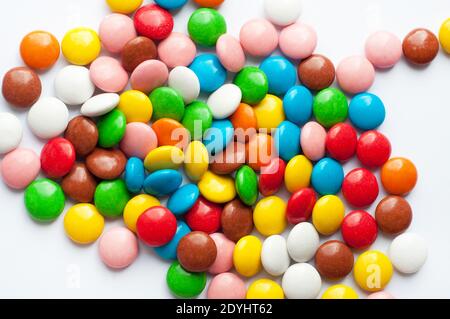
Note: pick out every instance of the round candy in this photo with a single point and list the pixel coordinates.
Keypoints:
(360, 187)
(134, 174)
(136, 106)
(111, 197)
(170, 132)
(197, 119)
(108, 74)
(420, 46)
(209, 71)
(355, 74)
(298, 41)
(118, 248)
(283, 12)
(258, 37)
(57, 157)
(135, 207)
(21, 87)
(246, 182)
(264, 289)
(183, 199)
(162, 182)
(224, 258)
(39, 50)
(297, 104)
(73, 85)
(226, 286)
(274, 255)
(247, 256)
(184, 81)
(444, 35)
(253, 83)
(298, 173)
(316, 72)
(328, 214)
(216, 188)
(301, 275)
(271, 177)
(171, 4)
(269, 113)
(373, 270)
(149, 75)
(83, 134)
(167, 103)
(79, 184)
(205, 26)
(359, 229)
(164, 157)
(236, 220)
(373, 149)
(196, 251)
(229, 160)
(153, 22)
(341, 141)
(81, 46)
(408, 253)
(218, 136)
(340, 292)
(366, 111)
(115, 31)
(44, 200)
(330, 107)
(393, 215)
(100, 104)
(306, 234)
(380, 295)
(184, 284)
(83, 224)
(259, 150)
(106, 163)
(334, 260)
(398, 176)
(327, 176)
(10, 131)
(280, 72)
(177, 50)
(169, 250)
(313, 140)
(125, 7)
(300, 205)
(19, 168)
(224, 101)
(269, 216)
(111, 128)
(383, 49)
(196, 160)
(230, 53)
(209, 3)
(156, 226)
(136, 51)
(139, 140)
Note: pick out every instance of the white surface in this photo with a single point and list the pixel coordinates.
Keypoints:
(40, 261)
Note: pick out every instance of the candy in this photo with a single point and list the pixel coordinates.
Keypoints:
(108, 74)
(328, 214)
(269, 216)
(373, 149)
(196, 160)
(216, 188)
(205, 26)
(167, 103)
(312, 140)
(82, 133)
(327, 176)
(316, 72)
(100, 104)
(306, 234)
(297, 104)
(330, 107)
(258, 37)
(153, 22)
(340, 292)
(149, 75)
(298, 41)
(269, 113)
(247, 256)
(359, 229)
(271, 177)
(136, 51)
(283, 12)
(44, 200)
(170, 132)
(334, 260)
(366, 111)
(373, 270)
(184, 284)
(125, 7)
(226, 286)
(420, 46)
(204, 216)
(246, 182)
(264, 289)
(19, 168)
(184, 81)
(298, 173)
(136, 106)
(79, 184)
(197, 119)
(341, 141)
(73, 85)
(111, 197)
(301, 275)
(230, 53)
(210, 72)
(236, 220)
(218, 136)
(57, 157)
(393, 214)
(169, 250)
(162, 182)
(229, 160)
(39, 50)
(83, 224)
(355, 74)
(209, 3)
(21, 87)
(224, 101)
(196, 251)
(224, 258)
(134, 174)
(398, 176)
(135, 207)
(171, 4)
(253, 83)
(164, 157)
(383, 49)
(360, 187)
(380, 295)
(81, 46)
(183, 199)
(300, 205)
(11, 132)
(444, 35)
(285, 136)
(111, 128)
(244, 122)
(280, 72)
(115, 31)
(274, 255)
(156, 226)
(48, 117)
(408, 253)
(139, 140)
(118, 248)
(106, 164)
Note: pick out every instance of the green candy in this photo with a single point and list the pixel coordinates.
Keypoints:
(197, 119)
(330, 107)
(205, 26)
(167, 103)
(111, 197)
(253, 84)
(44, 200)
(184, 284)
(111, 128)
(246, 183)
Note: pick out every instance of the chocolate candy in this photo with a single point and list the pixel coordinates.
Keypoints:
(420, 46)
(137, 51)
(334, 259)
(229, 160)
(106, 164)
(237, 220)
(21, 87)
(196, 251)
(316, 72)
(79, 184)
(83, 134)
(393, 214)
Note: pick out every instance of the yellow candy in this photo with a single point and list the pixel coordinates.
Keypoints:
(340, 292)
(196, 160)
(83, 223)
(81, 46)
(124, 6)
(373, 270)
(216, 188)
(247, 256)
(444, 35)
(164, 157)
(269, 113)
(269, 216)
(135, 207)
(265, 289)
(136, 106)
(328, 214)
(298, 173)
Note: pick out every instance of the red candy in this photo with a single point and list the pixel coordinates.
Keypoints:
(360, 187)
(359, 229)
(204, 216)
(300, 205)
(156, 226)
(374, 149)
(153, 22)
(341, 141)
(57, 157)
(272, 177)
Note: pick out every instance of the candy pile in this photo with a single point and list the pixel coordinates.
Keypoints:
(113, 163)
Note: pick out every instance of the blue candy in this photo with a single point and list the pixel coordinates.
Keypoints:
(183, 199)
(327, 176)
(281, 74)
(171, 4)
(218, 136)
(134, 174)
(162, 182)
(287, 140)
(366, 111)
(209, 71)
(297, 104)
(169, 250)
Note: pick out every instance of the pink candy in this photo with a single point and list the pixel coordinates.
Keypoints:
(226, 286)
(20, 167)
(380, 295)
(149, 75)
(259, 37)
(298, 41)
(108, 74)
(139, 140)
(224, 259)
(177, 50)
(115, 31)
(312, 140)
(230, 53)
(118, 247)
(355, 74)
(383, 49)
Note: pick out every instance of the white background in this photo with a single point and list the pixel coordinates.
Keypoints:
(40, 261)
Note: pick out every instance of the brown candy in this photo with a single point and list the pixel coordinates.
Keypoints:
(83, 134)
(137, 51)
(393, 215)
(334, 259)
(420, 46)
(21, 87)
(229, 160)
(79, 184)
(316, 72)
(236, 220)
(196, 251)
(106, 163)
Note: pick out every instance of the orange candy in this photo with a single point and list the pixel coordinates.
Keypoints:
(39, 50)
(209, 3)
(259, 150)
(244, 122)
(170, 132)
(398, 176)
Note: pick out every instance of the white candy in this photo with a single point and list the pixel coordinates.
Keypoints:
(224, 101)
(408, 252)
(301, 281)
(10, 132)
(48, 117)
(283, 12)
(274, 255)
(73, 85)
(302, 242)
(100, 104)
(185, 81)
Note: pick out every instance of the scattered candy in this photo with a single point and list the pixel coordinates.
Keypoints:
(355, 74)
(420, 46)
(398, 176)
(330, 107)
(183, 199)
(115, 31)
(360, 187)
(253, 83)
(108, 74)
(83, 134)
(269, 216)
(258, 37)
(224, 257)
(106, 163)
(298, 41)
(111, 197)
(230, 53)
(341, 141)
(209, 3)
(247, 256)
(184, 284)
(328, 214)
(340, 292)
(229, 160)
(149, 75)
(269, 113)
(300, 205)
(226, 286)
(79, 184)
(408, 253)
(197, 119)
(306, 234)
(11, 132)
(280, 72)
(216, 188)
(301, 275)
(153, 22)
(164, 157)
(444, 35)
(313, 140)
(139, 139)
(298, 173)
(125, 7)
(359, 229)
(21, 87)
(83, 224)
(393, 215)
(162, 182)
(236, 220)
(134, 175)
(316, 72)
(169, 250)
(177, 50)
(48, 117)
(136, 51)
(224, 101)
(209, 71)
(264, 289)
(171, 4)
(185, 82)
(118, 248)
(57, 157)
(136, 106)
(111, 128)
(297, 105)
(383, 49)
(135, 207)
(285, 136)
(81, 46)
(274, 255)
(156, 226)
(100, 104)
(373, 149)
(369, 263)
(196, 251)
(73, 85)
(19, 168)
(327, 176)
(44, 200)
(334, 260)
(205, 26)
(167, 103)
(39, 50)
(366, 111)
(271, 177)
(196, 160)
